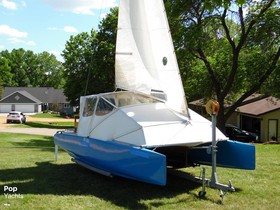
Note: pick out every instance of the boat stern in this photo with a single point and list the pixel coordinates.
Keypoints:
(230, 154)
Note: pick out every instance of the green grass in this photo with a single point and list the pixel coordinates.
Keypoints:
(27, 162)
(39, 124)
(47, 115)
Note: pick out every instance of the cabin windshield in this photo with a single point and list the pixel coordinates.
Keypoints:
(121, 99)
(103, 104)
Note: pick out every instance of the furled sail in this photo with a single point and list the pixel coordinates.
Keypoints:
(145, 56)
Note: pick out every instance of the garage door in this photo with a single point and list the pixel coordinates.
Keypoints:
(25, 108)
(4, 108)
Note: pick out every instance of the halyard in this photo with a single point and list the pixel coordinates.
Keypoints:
(31, 179)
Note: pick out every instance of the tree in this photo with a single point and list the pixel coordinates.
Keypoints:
(234, 52)
(78, 65)
(89, 60)
(105, 52)
(1, 87)
(5, 72)
(18, 67)
(49, 71)
(21, 68)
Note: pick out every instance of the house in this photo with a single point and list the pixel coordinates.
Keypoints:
(261, 116)
(34, 100)
(258, 113)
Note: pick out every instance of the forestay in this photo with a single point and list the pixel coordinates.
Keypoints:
(145, 57)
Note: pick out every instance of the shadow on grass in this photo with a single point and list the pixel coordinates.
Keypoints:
(52, 125)
(45, 143)
(71, 179)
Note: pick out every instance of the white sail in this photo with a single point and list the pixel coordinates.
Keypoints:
(145, 56)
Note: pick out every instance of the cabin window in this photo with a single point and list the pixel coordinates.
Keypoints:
(89, 107)
(110, 98)
(103, 107)
(127, 99)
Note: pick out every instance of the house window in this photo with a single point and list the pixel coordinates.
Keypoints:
(66, 105)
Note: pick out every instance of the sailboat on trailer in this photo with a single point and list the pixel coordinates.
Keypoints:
(139, 131)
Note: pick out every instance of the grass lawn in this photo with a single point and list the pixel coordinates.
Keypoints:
(27, 165)
(47, 115)
(39, 124)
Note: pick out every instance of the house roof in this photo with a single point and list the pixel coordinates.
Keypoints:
(256, 104)
(251, 98)
(42, 94)
(31, 97)
(20, 97)
(261, 106)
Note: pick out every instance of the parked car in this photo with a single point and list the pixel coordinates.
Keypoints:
(15, 116)
(237, 134)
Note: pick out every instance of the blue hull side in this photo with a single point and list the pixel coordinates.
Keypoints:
(115, 158)
(230, 154)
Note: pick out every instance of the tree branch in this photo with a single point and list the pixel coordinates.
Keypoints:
(234, 60)
(203, 57)
(251, 24)
(227, 30)
(257, 86)
(240, 10)
(242, 40)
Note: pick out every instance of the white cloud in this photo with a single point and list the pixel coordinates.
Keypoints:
(23, 3)
(103, 15)
(53, 29)
(70, 29)
(84, 7)
(15, 40)
(9, 4)
(8, 31)
(54, 52)
(83, 10)
(30, 43)
(57, 54)
(2, 46)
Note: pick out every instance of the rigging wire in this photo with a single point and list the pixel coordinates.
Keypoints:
(93, 50)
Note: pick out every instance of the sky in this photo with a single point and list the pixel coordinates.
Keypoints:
(46, 25)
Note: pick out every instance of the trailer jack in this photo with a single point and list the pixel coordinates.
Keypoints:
(212, 108)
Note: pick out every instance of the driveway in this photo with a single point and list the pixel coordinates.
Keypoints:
(4, 127)
(36, 131)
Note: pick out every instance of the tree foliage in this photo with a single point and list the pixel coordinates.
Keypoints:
(20, 68)
(78, 65)
(5, 71)
(226, 50)
(89, 60)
